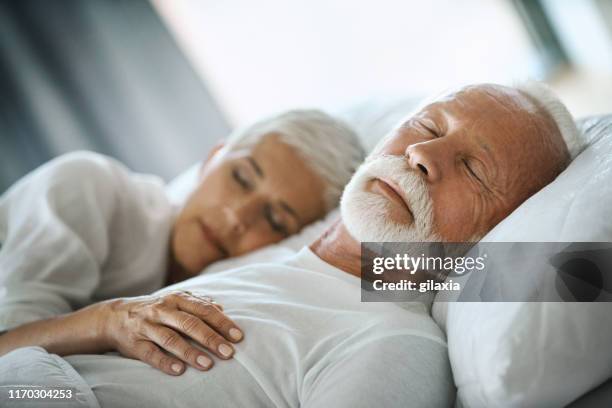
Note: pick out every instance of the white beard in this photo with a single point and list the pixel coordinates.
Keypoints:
(365, 214)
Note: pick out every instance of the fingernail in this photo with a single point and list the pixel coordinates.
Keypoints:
(204, 361)
(235, 333)
(176, 367)
(225, 350)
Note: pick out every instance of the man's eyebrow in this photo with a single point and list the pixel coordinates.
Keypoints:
(291, 211)
(255, 166)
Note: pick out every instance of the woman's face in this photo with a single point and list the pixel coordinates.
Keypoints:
(246, 199)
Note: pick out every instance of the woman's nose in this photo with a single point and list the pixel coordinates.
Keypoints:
(240, 215)
(235, 223)
(423, 159)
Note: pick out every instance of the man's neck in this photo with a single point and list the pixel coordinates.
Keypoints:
(338, 248)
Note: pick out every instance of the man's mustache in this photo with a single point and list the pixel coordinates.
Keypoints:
(396, 169)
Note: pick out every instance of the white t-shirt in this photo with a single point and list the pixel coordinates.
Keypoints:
(77, 230)
(309, 342)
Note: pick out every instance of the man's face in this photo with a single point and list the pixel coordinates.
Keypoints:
(246, 199)
(459, 166)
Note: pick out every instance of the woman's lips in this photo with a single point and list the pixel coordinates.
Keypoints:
(212, 238)
(392, 192)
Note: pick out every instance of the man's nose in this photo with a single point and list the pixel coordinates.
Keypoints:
(240, 215)
(422, 159)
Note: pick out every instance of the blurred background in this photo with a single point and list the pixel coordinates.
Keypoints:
(155, 83)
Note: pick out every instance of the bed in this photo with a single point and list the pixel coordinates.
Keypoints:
(491, 363)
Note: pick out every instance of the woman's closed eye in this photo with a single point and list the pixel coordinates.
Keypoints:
(275, 220)
(241, 178)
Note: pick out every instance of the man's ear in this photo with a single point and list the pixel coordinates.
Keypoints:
(215, 149)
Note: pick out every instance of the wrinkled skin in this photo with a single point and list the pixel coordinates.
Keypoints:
(482, 151)
(156, 330)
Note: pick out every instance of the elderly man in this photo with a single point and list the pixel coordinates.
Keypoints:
(450, 172)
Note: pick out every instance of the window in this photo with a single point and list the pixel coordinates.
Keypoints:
(264, 56)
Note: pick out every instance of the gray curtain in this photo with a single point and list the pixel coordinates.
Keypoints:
(102, 75)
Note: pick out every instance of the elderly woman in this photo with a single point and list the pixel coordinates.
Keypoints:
(83, 228)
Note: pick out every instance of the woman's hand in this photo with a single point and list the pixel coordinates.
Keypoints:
(146, 326)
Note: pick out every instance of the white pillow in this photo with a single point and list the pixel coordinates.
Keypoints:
(374, 117)
(540, 354)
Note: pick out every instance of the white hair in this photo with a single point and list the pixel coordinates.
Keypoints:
(328, 146)
(365, 214)
(546, 99)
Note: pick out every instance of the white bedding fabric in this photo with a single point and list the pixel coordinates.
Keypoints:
(309, 342)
